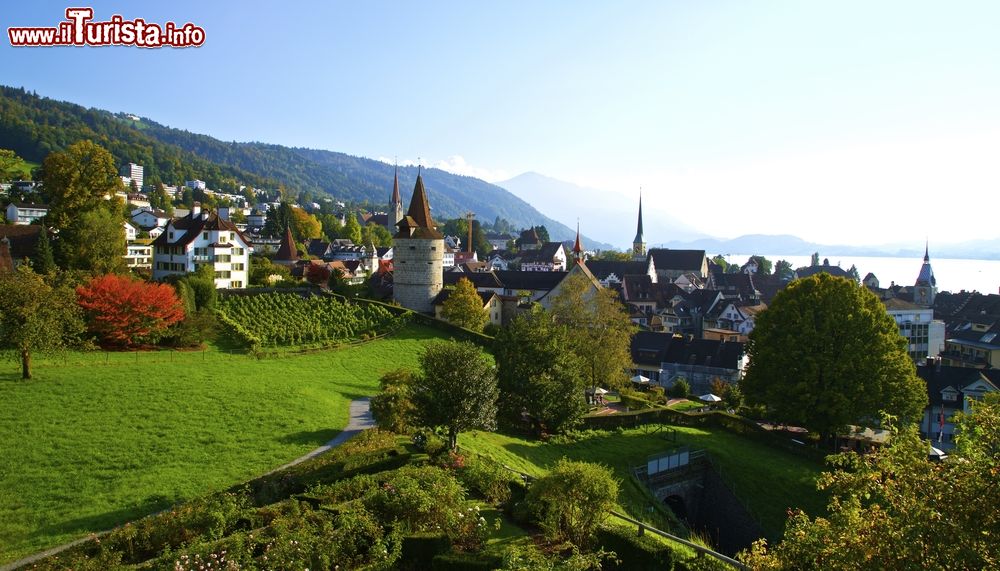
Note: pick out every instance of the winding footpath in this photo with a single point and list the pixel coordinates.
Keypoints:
(360, 419)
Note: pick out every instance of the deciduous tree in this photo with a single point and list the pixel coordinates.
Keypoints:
(35, 316)
(538, 373)
(897, 509)
(826, 354)
(352, 228)
(393, 407)
(124, 312)
(600, 330)
(94, 241)
(464, 307)
(457, 389)
(78, 180)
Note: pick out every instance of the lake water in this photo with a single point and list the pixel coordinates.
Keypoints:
(952, 274)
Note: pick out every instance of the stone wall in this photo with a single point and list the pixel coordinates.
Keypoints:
(417, 272)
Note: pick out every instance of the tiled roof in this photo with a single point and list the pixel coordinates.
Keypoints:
(195, 225)
(418, 222)
(604, 268)
(649, 348)
(545, 254)
(835, 271)
(688, 260)
(23, 239)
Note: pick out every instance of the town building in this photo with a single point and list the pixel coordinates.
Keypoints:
(925, 289)
(418, 249)
(134, 174)
(639, 242)
(202, 238)
(924, 335)
(25, 213)
(951, 390)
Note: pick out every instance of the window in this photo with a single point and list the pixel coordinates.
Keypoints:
(204, 235)
(222, 275)
(236, 284)
(237, 267)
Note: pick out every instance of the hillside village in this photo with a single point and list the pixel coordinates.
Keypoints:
(693, 313)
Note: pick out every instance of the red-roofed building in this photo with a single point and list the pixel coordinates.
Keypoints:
(202, 238)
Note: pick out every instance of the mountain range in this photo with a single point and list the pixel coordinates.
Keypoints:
(34, 126)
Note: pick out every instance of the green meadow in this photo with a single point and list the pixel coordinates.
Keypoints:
(97, 439)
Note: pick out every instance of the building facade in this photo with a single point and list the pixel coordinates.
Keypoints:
(202, 238)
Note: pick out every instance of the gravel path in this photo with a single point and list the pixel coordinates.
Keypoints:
(360, 419)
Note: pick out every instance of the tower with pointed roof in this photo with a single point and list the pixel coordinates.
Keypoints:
(577, 246)
(639, 243)
(925, 289)
(418, 253)
(396, 203)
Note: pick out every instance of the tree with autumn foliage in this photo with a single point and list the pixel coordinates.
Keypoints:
(125, 312)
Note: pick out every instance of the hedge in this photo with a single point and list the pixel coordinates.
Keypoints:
(634, 552)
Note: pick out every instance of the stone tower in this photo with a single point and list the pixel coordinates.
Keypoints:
(926, 287)
(639, 243)
(418, 252)
(396, 203)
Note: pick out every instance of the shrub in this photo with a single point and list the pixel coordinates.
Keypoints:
(572, 500)
(424, 498)
(639, 553)
(393, 407)
(488, 478)
(657, 394)
(680, 389)
(634, 400)
(427, 441)
(419, 549)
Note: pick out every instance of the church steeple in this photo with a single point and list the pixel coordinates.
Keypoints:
(639, 243)
(925, 289)
(577, 247)
(396, 203)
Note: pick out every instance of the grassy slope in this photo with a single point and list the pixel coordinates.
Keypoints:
(87, 445)
(769, 480)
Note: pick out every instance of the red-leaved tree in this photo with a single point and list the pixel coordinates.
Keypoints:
(125, 312)
(318, 274)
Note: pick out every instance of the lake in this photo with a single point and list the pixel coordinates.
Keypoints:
(952, 274)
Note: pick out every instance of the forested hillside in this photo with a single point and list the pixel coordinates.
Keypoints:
(34, 126)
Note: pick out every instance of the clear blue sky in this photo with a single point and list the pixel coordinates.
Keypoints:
(846, 122)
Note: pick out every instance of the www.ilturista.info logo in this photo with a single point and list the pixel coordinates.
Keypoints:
(79, 30)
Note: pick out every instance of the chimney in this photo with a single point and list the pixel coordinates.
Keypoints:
(196, 210)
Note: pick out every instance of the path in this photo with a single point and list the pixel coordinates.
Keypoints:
(360, 419)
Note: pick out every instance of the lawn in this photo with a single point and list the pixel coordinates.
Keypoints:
(99, 439)
(768, 479)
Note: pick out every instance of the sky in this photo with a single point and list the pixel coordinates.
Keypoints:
(841, 122)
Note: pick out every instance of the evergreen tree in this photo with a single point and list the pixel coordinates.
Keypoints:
(43, 262)
(352, 228)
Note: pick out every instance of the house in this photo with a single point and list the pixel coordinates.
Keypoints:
(202, 238)
(870, 281)
(664, 358)
(949, 390)
(25, 213)
(578, 268)
(528, 240)
(835, 271)
(139, 254)
(138, 200)
(739, 286)
(22, 241)
(154, 233)
(613, 272)
(690, 282)
(549, 257)
(147, 218)
(491, 305)
(739, 318)
(924, 335)
(974, 345)
(498, 240)
(672, 264)
(131, 232)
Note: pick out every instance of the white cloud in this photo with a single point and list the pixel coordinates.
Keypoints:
(455, 164)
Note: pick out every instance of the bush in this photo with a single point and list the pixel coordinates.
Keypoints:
(427, 441)
(419, 549)
(634, 400)
(393, 408)
(464, 562)
(634, 552)
(657, 394)
(680, 389)
(572, 500)
(424, 498)
(489, 479)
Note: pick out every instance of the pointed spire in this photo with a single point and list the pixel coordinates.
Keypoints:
(927, 250)
(395, 187)
(420, 208)
(287, 251)
(638, 231)
(577, 247)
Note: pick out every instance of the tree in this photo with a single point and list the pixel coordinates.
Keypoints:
(10, 165)
(814, 261)
(457, 389)
(783, 269)
(572, 500)
(826, 354)
(305, 226)
(124, 312)
(538, 373)
(854, 274)
(42, 262)
(94, 241)
(376, 234)
(613, 256)
(352, 228)
(35, 316)
(332, 226)
(464, 307)
(543, 233)
(78, 180)
(720, 261)
(318, 274)
(264, 273)
(895, 508)
(763, 265)
(393, 407)
(161, 200)
(599, 328)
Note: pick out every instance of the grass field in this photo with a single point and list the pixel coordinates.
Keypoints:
(98, 439)
(768, 479)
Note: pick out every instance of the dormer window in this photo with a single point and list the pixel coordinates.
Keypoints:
(950, 397)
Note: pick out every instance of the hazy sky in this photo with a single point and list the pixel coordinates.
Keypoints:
(840, 122)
